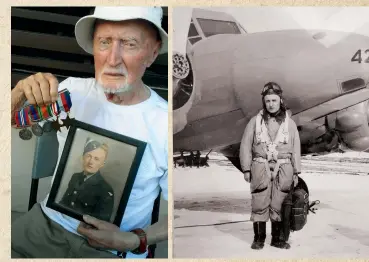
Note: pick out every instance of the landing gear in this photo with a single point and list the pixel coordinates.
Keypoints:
(191, 160)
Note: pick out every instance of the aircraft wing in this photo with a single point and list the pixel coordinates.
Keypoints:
(331, 106)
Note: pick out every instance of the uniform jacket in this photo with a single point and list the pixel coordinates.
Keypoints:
(250, 149)
(94, 197)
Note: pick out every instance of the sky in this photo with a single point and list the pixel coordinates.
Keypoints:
(258, 19)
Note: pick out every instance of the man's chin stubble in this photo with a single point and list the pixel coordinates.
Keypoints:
(116, 90)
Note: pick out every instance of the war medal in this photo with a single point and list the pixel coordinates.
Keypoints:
(67, 122)
(37, 113)
(60, 103)
(36, 116)
(22, 120)
(46, 112)
(55, 109)
(47, 127)
(37, 130)
(50, 125)
(55, 124)
(25, 134)
(65, 103)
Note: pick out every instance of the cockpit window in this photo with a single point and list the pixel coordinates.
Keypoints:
(193, 40)
(352, 84)
(216, 27)
(192, 31)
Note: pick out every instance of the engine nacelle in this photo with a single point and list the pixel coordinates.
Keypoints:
(311, 132)
(352, 124)
(183, 90)
(315, 137)
(348, 127)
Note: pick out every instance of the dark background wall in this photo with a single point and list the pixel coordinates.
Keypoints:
(42, 40)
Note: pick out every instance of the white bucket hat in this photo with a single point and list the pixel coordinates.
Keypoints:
(84, 26)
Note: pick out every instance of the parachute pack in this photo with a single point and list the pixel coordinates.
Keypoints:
(296, 207)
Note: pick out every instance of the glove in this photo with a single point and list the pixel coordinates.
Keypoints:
(247, 176)
(295, 180)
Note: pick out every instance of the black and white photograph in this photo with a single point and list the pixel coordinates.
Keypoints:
(96, 173)
(270, 132)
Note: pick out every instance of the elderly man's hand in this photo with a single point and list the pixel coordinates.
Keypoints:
(40, 88)
(106, 235)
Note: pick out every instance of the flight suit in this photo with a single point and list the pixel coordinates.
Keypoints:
(269, 188)
(94, 197)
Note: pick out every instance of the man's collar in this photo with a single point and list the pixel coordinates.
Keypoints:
(270, 115)
(92, 178)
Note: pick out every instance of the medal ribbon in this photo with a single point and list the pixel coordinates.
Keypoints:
(37, 113)
(35, 116)
(22, 119)
(55, 109)
(49, 110)
(46, 112)
(65, 100)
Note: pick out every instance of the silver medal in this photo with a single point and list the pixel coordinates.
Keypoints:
(37, 130)
(25, 134)
(47, 127)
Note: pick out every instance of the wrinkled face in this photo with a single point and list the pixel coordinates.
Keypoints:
(94, 160)
(272, 103)
(122, 52)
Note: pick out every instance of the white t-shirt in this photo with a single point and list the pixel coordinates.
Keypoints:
(146, 121)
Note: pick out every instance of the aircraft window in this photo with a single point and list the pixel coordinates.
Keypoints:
(216, 27)
(195, 39)
(192, 31)
(352, 84)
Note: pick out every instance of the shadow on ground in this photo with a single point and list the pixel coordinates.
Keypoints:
(229, 205)
(353, 233)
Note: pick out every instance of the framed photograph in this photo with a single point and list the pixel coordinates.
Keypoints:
(95, 173)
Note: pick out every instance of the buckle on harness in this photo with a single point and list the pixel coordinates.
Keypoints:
(272, 164)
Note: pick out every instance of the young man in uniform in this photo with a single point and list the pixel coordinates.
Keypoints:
(124, 42)
(88, 192)
(270, 159)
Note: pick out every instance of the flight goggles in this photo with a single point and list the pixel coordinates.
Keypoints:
(271, 86)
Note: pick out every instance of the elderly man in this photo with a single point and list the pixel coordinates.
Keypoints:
(270, 159)
(124, 42)
(88, 192)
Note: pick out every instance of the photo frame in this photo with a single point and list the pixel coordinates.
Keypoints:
(95, 174)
